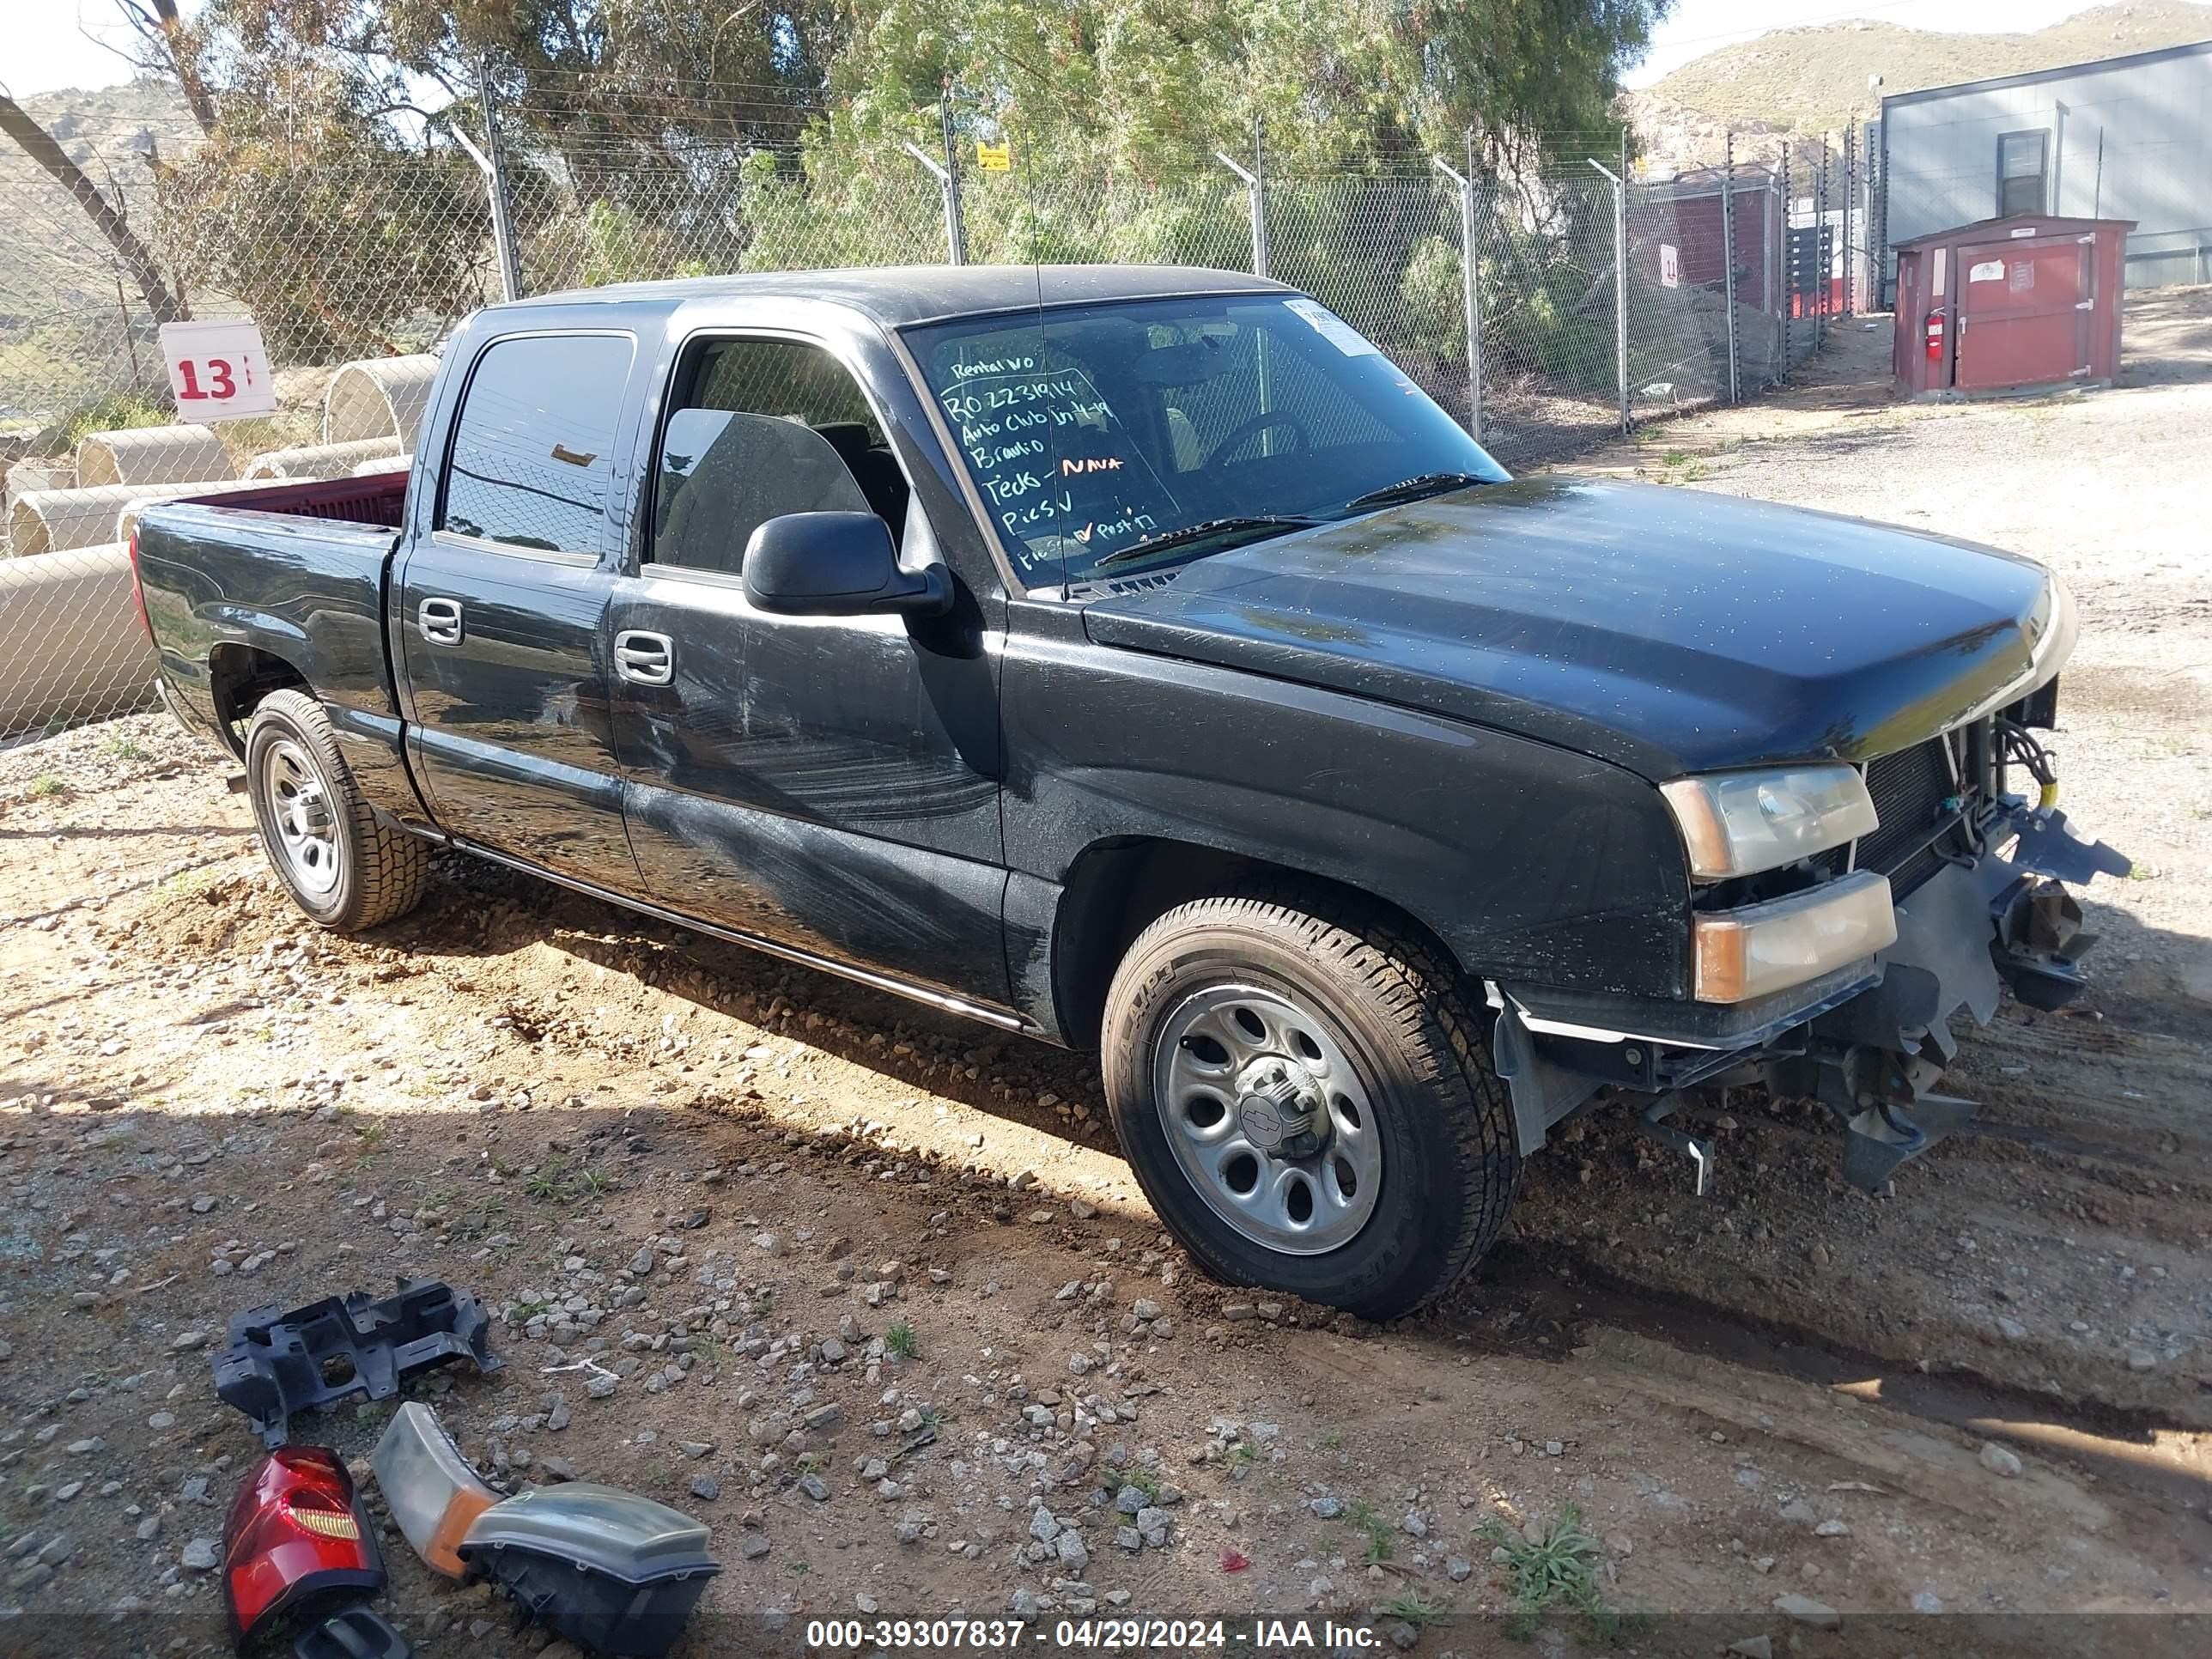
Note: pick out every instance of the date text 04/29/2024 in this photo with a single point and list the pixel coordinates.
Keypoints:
(1258, 1636)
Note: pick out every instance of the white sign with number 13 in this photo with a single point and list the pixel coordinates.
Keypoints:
(218, 370)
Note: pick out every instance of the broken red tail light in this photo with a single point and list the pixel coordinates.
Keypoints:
(138, 587)
(294, 1533)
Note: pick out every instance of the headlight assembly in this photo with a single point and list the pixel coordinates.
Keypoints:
(1738, 823)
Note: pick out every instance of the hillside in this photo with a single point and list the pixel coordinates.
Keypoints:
(49, 250)
(1807, 80)
(61, 315)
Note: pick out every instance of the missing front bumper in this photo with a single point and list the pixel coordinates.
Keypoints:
(1963, 937)
(1872, 1041)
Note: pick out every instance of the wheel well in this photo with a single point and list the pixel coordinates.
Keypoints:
(240, 676)
(1115, 890)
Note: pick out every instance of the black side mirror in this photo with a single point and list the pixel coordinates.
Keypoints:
(837, 564)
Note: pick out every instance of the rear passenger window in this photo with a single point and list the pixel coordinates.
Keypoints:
(533, 449)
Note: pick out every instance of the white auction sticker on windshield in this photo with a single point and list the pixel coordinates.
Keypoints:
(1334, 330)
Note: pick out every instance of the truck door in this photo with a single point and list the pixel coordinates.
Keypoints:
(500, 605)
(827, 783)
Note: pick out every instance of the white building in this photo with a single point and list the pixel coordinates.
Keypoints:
(2124, 138)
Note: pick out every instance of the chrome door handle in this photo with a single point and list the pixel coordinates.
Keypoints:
(438, 621)
(645, 659)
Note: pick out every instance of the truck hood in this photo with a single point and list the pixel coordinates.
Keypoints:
(1666, 630)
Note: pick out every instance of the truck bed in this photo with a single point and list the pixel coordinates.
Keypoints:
(372, 498)
(238, 585)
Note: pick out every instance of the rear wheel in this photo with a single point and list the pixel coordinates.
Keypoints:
(1308, 1101)
(340, 865)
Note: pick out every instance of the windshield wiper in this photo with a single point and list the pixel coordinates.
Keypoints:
(1277, 523)
(1412, 488)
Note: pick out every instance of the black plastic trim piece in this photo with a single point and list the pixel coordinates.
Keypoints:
(278, 1363)
(358, 1631)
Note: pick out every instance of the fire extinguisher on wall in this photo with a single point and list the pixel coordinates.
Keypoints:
(1937, 320)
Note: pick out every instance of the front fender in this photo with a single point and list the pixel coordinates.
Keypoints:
(1531, 863)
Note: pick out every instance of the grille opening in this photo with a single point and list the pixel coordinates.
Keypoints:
(1922, 799)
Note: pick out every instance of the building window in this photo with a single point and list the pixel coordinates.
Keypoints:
(2023, 162)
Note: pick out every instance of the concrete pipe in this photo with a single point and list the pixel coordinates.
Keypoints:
(152, 455)
(379, 397)
(38, 472)
(75, 649)
(326, 460)
(48, 520)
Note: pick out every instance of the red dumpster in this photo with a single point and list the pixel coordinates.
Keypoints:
(2025, 304)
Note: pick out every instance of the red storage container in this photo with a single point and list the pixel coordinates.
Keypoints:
(2025, 304)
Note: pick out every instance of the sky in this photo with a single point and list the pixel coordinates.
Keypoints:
(46, 44)
(1698, 27)
(42, 47)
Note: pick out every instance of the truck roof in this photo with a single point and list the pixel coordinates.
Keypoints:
(897, 296)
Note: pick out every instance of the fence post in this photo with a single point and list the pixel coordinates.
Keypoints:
(1789, 264)
(1255, 195)
(1620, 275)
(956, 218)
(1728, 259)
(1468, 297)
(1821, 244)
(955, 254)
(1850, 191)
(489, 161)
(1877, 167)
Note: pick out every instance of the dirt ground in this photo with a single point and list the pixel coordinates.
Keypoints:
(868, 1291)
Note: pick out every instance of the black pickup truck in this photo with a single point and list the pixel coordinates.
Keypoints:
(1136, 658)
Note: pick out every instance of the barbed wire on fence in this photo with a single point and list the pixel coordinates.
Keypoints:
(1551, 305)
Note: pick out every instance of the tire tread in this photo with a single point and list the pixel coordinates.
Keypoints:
(1424, 995)
(393, 866)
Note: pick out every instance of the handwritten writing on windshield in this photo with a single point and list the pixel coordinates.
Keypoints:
(1040, 442)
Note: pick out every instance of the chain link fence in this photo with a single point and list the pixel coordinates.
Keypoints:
(1548, 309)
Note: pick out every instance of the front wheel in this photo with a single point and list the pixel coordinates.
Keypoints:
(1308, 1101)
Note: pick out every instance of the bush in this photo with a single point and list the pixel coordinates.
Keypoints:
(1435, 301)
(119, 411)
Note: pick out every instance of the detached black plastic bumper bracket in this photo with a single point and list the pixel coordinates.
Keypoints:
(1881, 1139)
(358, 1631)
(278, 1363)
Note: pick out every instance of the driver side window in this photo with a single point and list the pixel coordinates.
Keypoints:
(763, 427)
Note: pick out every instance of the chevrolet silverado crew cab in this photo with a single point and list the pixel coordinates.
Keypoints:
(1136, 658)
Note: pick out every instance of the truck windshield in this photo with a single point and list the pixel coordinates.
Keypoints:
(1198, 422)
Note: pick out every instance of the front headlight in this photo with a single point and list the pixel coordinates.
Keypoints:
(1737, 823)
